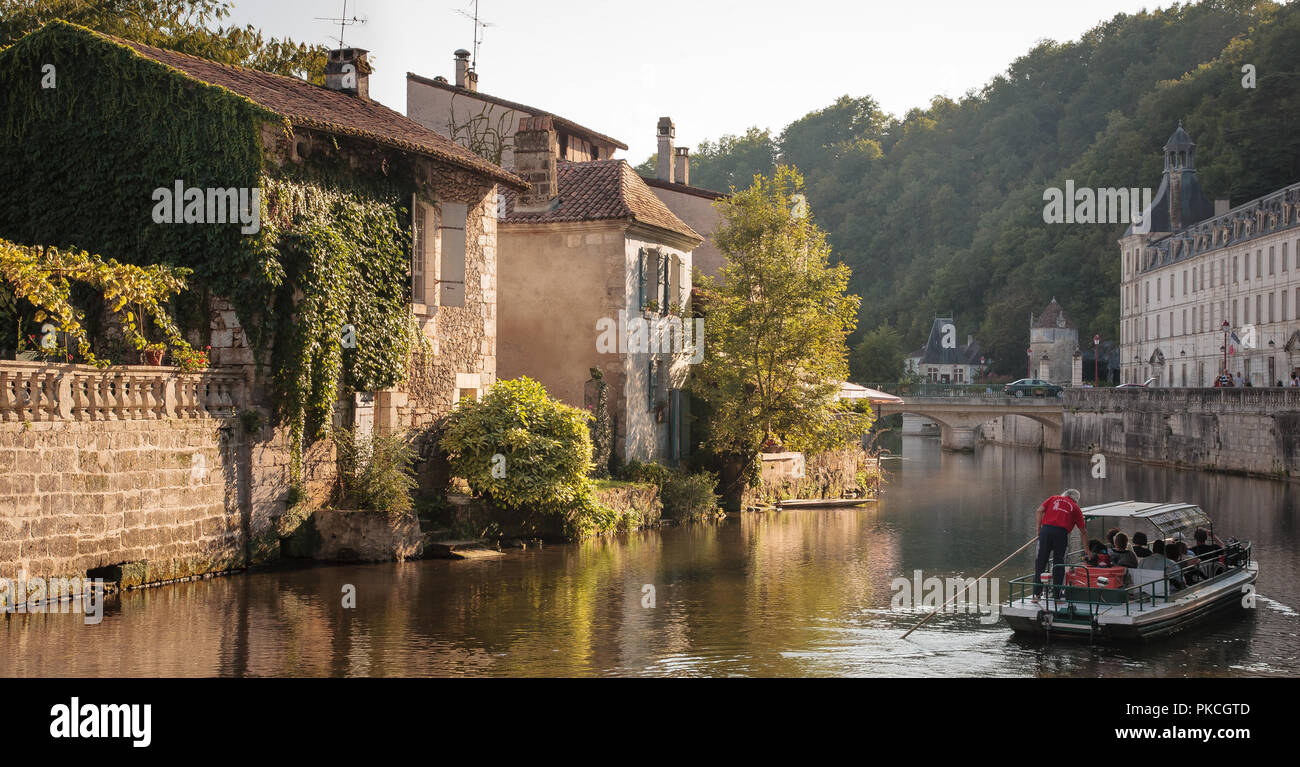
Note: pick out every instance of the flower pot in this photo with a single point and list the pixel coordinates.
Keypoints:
(153, 357)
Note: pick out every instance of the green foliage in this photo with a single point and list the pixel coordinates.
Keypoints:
(602, 428)
(183, 25)
(78, 166)
(375, 472)
(878, 357)
(43, 276)
(684, 496)
(546, 450)
(777, 321)
(940, 209)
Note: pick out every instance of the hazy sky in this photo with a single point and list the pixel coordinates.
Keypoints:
(714, 66)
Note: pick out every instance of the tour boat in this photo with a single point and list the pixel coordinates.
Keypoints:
(1132, 604)
(822, 503)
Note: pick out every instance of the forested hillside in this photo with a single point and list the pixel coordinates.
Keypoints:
(940, 210)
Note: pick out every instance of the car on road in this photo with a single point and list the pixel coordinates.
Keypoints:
(1033, 387)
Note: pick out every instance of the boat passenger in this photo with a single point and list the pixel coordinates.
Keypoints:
(1122, 556)
(1186, 566)
(1110, 539)
(1203, 546)
(1057, 516)
(1140, 549)
(1098, 555)
(1158, 561)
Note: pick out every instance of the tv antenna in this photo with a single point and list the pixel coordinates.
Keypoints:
(479, 26)
(343, 21)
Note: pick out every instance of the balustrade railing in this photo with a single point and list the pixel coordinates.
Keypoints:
(35, 391)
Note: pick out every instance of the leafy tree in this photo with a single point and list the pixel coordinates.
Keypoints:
(776, 323)
(878, 356)
(180, 25)
(731, 161)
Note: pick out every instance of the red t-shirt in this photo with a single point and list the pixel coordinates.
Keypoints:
(1062, 511)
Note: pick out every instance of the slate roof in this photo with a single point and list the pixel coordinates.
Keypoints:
(1179, 139)
(1049, 316)
(934, 352)
(315, 106)
(568, 126)
(602, 190)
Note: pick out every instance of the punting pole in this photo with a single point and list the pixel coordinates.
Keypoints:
(953, 598)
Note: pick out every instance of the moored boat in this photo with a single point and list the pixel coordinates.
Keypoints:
(1137, 604)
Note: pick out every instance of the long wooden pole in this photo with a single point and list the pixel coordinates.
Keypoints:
(953, 598)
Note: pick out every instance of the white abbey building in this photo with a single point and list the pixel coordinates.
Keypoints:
(1203, 264)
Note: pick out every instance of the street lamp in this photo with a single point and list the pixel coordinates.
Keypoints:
(1227, 328)
(1030, 354)
(1096, 355)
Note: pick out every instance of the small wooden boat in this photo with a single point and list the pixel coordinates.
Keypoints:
(1136, 604)
(822, 503)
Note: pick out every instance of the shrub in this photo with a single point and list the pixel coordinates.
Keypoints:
(684, 496)
(527, 452)
(375, 472)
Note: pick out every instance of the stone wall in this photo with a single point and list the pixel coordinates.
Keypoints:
(1012, 430)
(1249, 431)
(138, 466)
(833, 474)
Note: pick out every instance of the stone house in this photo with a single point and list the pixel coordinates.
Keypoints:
(154, 465)
(488, 123)
(942, 360)
(596, 273)
(1054, 346)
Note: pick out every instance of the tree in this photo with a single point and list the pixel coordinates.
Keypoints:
(180, 25)
(731, 161)
(776, 321)
(878, 356)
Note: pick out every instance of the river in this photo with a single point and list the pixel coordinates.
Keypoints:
(801, 593)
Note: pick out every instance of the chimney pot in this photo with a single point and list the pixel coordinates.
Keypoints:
(536, 153)
(348, 71)
(667, 132)
(682, 166)
(465, 77)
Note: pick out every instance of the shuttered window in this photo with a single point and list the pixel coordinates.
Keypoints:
(451, 277)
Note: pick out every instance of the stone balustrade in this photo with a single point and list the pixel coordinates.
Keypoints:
(37, 391)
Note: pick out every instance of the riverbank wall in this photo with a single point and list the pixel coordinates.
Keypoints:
(146, 473)
(1243, 431)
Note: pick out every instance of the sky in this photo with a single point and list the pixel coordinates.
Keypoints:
(715, 66)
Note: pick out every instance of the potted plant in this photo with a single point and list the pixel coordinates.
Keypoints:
(153, 354)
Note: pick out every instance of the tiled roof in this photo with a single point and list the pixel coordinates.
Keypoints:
(566, 125)
(1048, 319)
(315, 106)
(602, 190)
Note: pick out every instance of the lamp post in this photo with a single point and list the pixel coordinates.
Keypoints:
(1226, 329)
(1096, 360)
(1030, 370)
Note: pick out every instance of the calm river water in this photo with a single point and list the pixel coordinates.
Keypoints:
(804, 593)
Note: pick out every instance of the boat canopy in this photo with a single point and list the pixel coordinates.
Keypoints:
(1168, 518)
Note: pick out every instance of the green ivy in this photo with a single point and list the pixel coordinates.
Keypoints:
(78, 166)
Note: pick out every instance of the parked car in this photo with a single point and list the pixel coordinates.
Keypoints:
(1034, 387)
(1144, 385)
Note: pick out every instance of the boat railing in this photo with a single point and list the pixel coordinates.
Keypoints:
(1140, 596)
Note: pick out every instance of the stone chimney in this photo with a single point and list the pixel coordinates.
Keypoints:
(667, 132)
(682, 166)
(465, 77)
(536, 150)
(348, 71)
(1222, 205)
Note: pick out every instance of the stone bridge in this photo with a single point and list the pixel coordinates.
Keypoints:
(960, 414)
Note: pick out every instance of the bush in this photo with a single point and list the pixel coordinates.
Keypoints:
(375, 472)
(684, 496)
(527, 452)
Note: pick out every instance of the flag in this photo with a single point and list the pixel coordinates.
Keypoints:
(1232, 347)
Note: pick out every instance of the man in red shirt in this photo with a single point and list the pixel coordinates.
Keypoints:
(1057, 516)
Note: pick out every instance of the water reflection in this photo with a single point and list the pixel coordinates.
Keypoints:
(803, 593)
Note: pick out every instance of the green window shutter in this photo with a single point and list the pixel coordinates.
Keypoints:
(641, 275)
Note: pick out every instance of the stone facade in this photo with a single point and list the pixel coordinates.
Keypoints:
(1053, 340)
(1181, 283)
